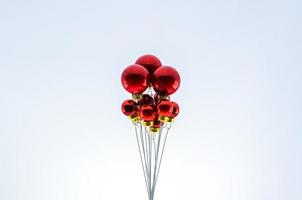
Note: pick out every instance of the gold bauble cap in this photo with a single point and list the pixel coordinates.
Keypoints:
(137, 96)
(147, 123)
(169, 119)
(154, 129)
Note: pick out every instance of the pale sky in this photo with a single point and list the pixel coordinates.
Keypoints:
(239, 132)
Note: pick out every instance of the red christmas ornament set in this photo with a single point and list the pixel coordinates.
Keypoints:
(150, 110)
(158, 82)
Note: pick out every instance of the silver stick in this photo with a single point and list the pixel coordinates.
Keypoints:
(156, 160)
(140, 153)
(161, 156)
(144, 148)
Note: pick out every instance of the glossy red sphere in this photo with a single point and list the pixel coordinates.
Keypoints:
(148, 112)
(129, 107)
(157, 123)
(146, 100)
(150, 62)
(165, 108)
(135, 79)
(165, 80)
(175, 110)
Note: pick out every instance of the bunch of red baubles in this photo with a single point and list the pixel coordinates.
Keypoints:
(148, 74)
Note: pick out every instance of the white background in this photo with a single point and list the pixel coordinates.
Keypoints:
(63, 136)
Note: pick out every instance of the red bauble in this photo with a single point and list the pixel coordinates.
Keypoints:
(165, 108)
(146, 100)
(157, 123)
(148, 113)
(129, 107)
(165, 80)
(135, 79)
(175, 110)
(150, 62)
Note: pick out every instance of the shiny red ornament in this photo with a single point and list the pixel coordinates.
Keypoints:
(150, 62)
(175, 110)
(129, 107)
(165, 80)
(148, 113)
(157, 123)
(165, 108)
(145, 100)
(135, 79)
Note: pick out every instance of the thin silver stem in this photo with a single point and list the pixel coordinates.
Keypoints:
(156, 148)
(148, 155)
(143, 147)
(147, 149)
(150, 162)
(140, 153)
(146, 146)
(161, 156)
